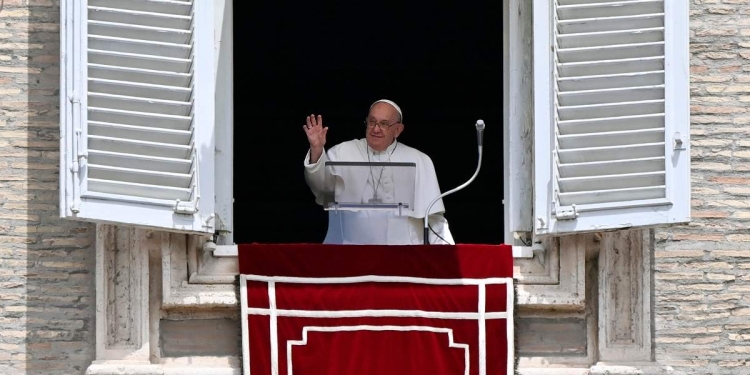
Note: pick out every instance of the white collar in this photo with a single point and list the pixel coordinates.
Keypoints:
(388, 150)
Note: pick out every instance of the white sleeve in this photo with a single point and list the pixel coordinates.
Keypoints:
(439, 224)
(315, 176)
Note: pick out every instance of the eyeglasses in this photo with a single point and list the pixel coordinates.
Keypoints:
(384, 125)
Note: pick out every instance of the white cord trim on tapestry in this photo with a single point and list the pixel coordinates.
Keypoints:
(482, 329)
(305, 330)
(509, 328)
(274, 331)
(245, 325)
(374, 314)
(381, 279)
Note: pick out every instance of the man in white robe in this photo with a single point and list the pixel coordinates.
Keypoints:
(383, 126)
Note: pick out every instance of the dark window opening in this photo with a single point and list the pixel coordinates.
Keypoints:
(441, 63)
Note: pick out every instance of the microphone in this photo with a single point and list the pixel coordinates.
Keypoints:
(480, 135)
(480, 132)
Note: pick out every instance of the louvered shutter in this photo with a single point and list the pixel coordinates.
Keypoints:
(137, 113)
(611, 107)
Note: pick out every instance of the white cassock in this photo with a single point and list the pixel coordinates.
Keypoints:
(381, 227)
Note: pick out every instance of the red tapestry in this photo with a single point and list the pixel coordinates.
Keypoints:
(311, 309)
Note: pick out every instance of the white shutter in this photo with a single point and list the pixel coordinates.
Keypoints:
(137, 113)
(611, 107)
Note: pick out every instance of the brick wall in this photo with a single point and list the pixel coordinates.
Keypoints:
(46, 264)
(702, 279)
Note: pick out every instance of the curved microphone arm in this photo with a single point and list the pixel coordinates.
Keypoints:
(480, 133)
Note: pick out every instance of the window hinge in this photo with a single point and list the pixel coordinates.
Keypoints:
(566, 212)
(542, 222)
(77, 165)
(679, 143)
(185, 208)
(538, 250)
(209, 222)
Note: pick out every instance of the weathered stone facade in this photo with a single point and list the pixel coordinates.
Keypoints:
(697, 297)
(702, 271)
(46, 264)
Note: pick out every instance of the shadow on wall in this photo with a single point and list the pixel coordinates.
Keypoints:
(57, 334)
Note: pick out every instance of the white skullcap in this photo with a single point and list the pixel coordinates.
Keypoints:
(400, 114)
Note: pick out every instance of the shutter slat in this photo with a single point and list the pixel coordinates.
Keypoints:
(139, 190)
(156, 6)
(609, 9)
(139, 47)
(611, 110)
(614, 195)
(611, 95)
(134, 60)
(153, 163)
(636, 79)
(139, 18)
(643, 165)
(139, 118)
(578, 2)
(606, 139)
(137, 89)
(131, 103)
(588, 25)
(122, 73)
(611, 52)
(622, 153)
(611, 182)
(140, 133)
(139, 176)
(124, 30)
(607, 38)
(127, 146)
(609, 67)
(581, 126)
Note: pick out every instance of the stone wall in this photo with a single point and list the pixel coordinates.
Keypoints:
(46, 264)
(702, 271)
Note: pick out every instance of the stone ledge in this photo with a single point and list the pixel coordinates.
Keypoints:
(201, 296)
(553, 371)
(630, 368)
(202, 371)
(178, 366)
(124, 368)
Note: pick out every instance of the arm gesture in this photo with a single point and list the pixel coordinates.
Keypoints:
(316, 135)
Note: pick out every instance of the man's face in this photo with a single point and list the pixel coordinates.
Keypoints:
(382, 126)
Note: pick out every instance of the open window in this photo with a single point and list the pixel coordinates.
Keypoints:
(147, 116)
(598, 141)
(443, 68)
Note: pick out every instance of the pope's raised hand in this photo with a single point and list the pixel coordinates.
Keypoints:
(316, 133)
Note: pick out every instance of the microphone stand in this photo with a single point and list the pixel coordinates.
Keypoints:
(480, 133)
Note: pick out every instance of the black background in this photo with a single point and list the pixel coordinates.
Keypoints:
(441, 63)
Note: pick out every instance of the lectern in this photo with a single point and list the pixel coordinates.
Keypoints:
(382, 186)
